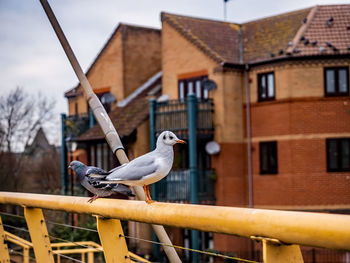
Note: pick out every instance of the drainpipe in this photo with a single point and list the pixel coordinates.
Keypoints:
(64, 165)
(249, 143)
(192, 145)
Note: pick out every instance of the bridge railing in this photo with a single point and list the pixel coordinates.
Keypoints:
(281, 232)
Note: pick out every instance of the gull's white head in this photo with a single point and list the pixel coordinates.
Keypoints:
(168, 138)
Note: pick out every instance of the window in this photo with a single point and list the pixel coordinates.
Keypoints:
(336, 81)
(192, 85)
(266, 86)
(268, 157)
(338, 154)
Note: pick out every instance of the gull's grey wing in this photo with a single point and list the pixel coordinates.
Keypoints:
(116, 168)
(134, 170)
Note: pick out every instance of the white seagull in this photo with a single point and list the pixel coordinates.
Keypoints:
(144, 170)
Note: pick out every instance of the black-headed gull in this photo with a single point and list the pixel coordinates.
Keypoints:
(144, 170)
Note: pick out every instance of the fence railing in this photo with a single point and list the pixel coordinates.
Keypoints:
(281, 232)
(176, 186)
(172, 116)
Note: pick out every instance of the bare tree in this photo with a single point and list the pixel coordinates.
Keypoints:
(21, 115)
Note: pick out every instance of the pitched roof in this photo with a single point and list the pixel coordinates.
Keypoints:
(270, 35)
(219, 40)
(270, 38)
(126, 119)
(330, 24)
(123, 28)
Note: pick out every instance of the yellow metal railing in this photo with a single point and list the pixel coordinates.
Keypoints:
(89, 248)
(280, 231)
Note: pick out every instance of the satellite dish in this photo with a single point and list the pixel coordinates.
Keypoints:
(208, 84)
(108, 98)
(212, 148)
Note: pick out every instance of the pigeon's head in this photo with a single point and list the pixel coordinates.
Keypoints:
(77, 166)
(168, 138)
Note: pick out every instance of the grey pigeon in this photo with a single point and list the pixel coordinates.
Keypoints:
(144, 170)
(82, 172)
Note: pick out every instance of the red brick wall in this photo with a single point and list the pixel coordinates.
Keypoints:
(300, 129)
(301, 116)
(229, 164)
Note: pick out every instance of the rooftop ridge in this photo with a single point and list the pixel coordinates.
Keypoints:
(199, 18)
(302, 29)
(278, 15)
(194, 38)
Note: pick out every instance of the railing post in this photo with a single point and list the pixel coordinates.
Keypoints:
(152, 127)
(276, 252)
(90, 257)
(25, 255)
(152, 132)
(39, 235)
(4, 252)
(112, 240)
(192, 145)
(64, 165)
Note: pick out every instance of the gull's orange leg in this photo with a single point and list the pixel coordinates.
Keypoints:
(150, 201)
(146, 195)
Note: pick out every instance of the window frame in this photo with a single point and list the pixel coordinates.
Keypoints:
(270, 170)
(339, 155)
(259, 77)
(336, 93)
(204, 94)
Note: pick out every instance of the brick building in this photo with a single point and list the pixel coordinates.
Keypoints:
(295, 69)
(282, 88)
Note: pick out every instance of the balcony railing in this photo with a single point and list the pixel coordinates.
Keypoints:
(176, 187)
(172, 115)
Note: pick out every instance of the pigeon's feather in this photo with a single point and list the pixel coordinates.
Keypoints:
(97, 176)
(84, 172)
(96, 172)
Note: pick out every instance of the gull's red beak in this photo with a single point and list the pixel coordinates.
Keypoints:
(181, 141)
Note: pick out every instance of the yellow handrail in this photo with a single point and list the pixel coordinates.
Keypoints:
(93, 247)
(303, 228)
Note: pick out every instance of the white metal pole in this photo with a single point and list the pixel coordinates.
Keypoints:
(104, 121)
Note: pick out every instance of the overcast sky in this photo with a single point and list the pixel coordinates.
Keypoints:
(31, 56)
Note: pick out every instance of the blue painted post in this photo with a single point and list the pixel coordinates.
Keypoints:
(152, 122)
(92, 120)
(192, 145)
(64, 164)
(152, 132)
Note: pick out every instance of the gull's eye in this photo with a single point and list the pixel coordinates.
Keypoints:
(171, 137)
(164, 137)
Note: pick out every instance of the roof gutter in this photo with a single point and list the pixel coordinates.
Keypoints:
(282, 59)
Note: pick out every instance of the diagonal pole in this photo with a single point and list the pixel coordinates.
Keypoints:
(105, 123)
